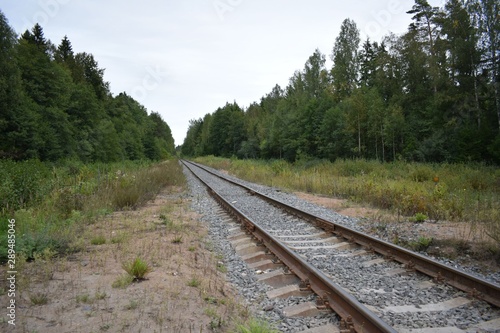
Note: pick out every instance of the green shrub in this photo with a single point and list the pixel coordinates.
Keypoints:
(138, 268)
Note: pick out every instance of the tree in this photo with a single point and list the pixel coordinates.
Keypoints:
(345, 60)
(426, 29)
(17, 119)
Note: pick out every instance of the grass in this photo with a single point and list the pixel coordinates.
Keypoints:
(39, 299)
(177, 240)
(194, 282)
(453, 192)
(84, 298)
(98, 240)
(255, 326)
(137, 268)
(52, 203)
(123, 281)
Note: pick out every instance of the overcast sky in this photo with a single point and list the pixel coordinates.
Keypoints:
(184, 59)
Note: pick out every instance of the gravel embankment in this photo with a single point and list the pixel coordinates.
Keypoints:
(371, 285)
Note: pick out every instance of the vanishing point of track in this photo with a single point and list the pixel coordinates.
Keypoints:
(354, 314)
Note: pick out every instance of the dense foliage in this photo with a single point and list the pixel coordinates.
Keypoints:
(431, 94)
(55, 104)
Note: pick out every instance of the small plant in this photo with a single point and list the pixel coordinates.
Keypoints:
(166, 221)
(98, 240)
(194, 282)
(105, 327)
(132, 305)
(39, 299)
(421, 244)
(100, 295)
(177, 240)
(123, 281)
(117, 239)
(138, 269)
(420, 217)
(191, 248)
(85, 298)
(221, 267)
(256, 326)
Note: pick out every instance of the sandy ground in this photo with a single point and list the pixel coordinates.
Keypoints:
(185, 292)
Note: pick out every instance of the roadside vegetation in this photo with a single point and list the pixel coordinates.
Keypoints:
(52, 202)
(414, 191)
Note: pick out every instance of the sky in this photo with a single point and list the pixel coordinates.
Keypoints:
(184, 59)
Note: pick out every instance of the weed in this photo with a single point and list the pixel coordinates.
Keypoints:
(419, 217)
(132, 305)
(84, 298)
(105, 327)
(39, 299)
(118, 238)
(138, 268)
(123, 281)
(191, 248)
(177, 240)
(98, 240)
(255, 326)
(194, 282)
(100, 295)
(221, 267)
(421, 244)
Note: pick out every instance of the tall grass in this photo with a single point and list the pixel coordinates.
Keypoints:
(464, 192)
(61, 198)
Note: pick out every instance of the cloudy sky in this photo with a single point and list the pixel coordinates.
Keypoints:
(184, 59)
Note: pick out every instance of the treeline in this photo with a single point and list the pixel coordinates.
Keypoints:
(431, 94)
(55, 104)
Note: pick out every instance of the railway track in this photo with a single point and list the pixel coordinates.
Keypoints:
(374, 286)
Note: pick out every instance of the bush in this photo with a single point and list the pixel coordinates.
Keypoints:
(138, 269)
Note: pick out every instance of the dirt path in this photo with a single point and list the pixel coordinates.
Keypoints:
(185, 292)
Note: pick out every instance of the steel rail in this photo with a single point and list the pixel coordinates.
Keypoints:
(332, 295)
(475, 286)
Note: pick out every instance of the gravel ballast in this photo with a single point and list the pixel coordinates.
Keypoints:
(370, 285)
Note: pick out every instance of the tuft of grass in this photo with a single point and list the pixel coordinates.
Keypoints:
(123, 281)
(118, 238)
(137, 269)
(39, 299)
(419, 217)
(177, 240)
(256, 326)
(221, 267)
(132, 305)
(421, 244)
(194, 282)
(100, 295)
(84, 298)
(98, 240)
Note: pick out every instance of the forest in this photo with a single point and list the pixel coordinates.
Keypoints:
(428, 95)
(56, 105)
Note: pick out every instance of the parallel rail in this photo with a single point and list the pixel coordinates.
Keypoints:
(345, 305)
(475, 286)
